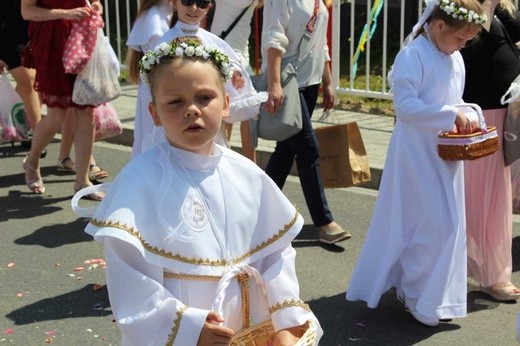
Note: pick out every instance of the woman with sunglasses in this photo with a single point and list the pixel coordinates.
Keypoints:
(186, 19)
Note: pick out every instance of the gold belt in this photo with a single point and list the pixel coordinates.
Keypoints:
(243, 281)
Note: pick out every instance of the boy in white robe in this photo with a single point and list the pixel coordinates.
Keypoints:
(416, 241)
(189, 224)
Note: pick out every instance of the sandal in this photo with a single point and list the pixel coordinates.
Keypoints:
(504, 291)
(35, 185)
(96, 172)
(94, 196)
(66, 165)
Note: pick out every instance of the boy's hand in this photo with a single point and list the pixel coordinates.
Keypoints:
(212, 333)
(237, 80)
(289, 336)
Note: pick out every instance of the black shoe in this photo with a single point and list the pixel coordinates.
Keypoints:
(43, 153)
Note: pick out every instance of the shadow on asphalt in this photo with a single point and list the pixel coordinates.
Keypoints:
(355, 323)
(516, 254)
(84, 302)
(57, 235)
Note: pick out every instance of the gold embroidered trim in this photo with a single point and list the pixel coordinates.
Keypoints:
(198, 261)
(192, 277)
(288, 304)
(176, 325)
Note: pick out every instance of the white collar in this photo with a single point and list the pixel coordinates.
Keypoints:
(188, 29)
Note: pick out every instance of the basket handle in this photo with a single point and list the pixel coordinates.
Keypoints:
(242, 272)
(478, 110)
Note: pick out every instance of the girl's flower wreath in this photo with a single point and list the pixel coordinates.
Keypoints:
(461, 13)
(191, 48)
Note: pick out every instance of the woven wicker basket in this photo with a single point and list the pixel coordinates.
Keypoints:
(471, 146)
(262, 334)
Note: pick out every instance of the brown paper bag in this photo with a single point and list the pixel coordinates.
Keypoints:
(343, 158)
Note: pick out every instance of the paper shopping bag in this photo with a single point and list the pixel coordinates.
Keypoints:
(343, 158)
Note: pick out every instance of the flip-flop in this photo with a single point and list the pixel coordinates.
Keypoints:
(94, 196)
(96, 172)
(66, 165)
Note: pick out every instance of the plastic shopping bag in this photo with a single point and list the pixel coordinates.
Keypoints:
(107, 122)
(12, 113)
(98, 83)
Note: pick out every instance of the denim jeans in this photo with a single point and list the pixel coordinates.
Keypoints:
(303, 147)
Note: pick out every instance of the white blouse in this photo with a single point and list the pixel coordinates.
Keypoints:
(284, 23)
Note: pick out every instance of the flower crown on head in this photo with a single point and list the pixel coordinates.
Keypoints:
(461, 13)
(191, 48)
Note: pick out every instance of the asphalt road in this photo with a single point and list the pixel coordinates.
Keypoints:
(52, 282)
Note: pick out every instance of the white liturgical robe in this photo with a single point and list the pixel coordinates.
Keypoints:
(416, 241)
(178, 226)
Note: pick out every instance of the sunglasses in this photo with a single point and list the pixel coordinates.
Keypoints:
(202, 4)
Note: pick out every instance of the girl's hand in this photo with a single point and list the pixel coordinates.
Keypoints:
(462, 123)
(328, 97)
(212, 333)
(237, 80)
(96, 6)
(275, 99)
(289, 336)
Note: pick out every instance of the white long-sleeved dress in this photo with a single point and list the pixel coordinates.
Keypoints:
(178, 227)
(146, 31)
(416, 241)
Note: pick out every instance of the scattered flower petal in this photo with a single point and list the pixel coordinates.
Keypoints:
(11, 265)
(8, 331)
(49, 340)
(98, 306)
(51, 332)
(78, 269)
(354, 339)
(89, 330)
(359, 324)
(97, 287)
(19, 294)
(72, 275)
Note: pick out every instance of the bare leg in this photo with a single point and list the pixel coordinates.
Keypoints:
(83, 144)
(43, 134)
(67, 134)
(24, 86)
(248, 150)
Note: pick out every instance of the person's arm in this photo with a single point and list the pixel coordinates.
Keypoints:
(489, 9)
(274, 86)
(328, 88)
(31, 11)
(289, 313)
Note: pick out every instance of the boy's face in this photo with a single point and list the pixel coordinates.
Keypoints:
(190, 104)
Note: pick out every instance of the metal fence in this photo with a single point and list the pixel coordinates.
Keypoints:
(364, 37)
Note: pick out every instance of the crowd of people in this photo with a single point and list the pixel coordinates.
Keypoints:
(431, 228)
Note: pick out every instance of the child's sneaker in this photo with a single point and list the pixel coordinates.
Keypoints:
(333, 234)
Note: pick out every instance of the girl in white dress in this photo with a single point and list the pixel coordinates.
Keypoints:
(245, 101)
(152, 21)
(416, 241)
(188, 224)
